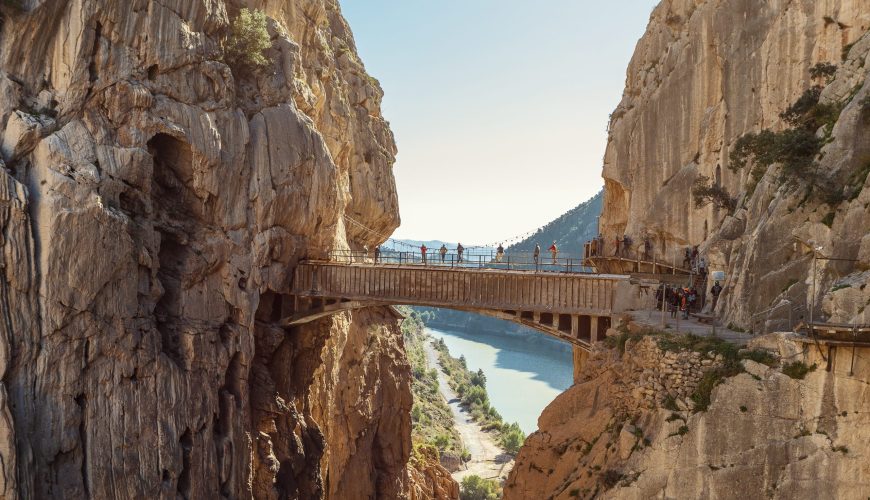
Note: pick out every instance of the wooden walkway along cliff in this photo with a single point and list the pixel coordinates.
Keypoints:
(574, 307)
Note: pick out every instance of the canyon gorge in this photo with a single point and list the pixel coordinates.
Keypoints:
(156, 197)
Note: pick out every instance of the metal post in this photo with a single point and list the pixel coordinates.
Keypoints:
(813, 297)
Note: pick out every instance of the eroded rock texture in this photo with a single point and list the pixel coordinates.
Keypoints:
(153, 203)
(707, 72)
(765, 434)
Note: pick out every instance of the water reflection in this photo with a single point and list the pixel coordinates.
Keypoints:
(524, 374)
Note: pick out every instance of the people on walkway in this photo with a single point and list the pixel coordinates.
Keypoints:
(715, 291)
(554, 251)
(694, 256)
(674, 302)
(593, 247)
(537, 253)
(626, 245)
(377, 254)
(499, 253)
(647, 249)
(684, 303)
(423, 250)
(687, 259)
(459, 250)
(443, 252)
(702, 269)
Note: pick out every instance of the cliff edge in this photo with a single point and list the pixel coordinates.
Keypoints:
(153, 203)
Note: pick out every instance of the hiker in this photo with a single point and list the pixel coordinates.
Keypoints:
(443, 252)
(674, 302)
(715, 291)
(499, 253)
(647, 248)
(687, 259)
(702, 269)
(537, 253)
(684, 303)
(693, 299)
(377, 254)
(423, 250)
(459, 250)
(626, 245)
(593, 247)
(553, 250)
(694, 256)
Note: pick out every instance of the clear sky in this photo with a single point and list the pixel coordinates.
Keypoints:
(499, 108)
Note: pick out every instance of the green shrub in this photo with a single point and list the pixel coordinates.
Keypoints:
(825, 70)
(475, 395)
(704, 193)
(798, 369)
(760, 356)
(478, 378)
(512, 439)
(477, 488)
(611, 478)
(246, 42)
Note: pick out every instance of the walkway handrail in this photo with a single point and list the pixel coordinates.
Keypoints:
(514, 261)
(786, 302)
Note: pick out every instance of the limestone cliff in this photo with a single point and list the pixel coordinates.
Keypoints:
(627, 429)
(704, 74)
(153, 203)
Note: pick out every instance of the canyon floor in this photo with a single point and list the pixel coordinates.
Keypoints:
(488, 459)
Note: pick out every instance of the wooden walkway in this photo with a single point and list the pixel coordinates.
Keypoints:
(573, 307)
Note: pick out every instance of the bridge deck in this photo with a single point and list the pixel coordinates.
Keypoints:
(562, 293)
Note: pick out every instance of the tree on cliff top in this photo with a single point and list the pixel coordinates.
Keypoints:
(247, 40)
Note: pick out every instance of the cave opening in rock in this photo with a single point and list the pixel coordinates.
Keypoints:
(173, 206)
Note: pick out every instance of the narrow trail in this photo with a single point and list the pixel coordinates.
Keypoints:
(488, 459)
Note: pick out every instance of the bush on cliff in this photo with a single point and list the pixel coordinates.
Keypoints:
(478, 488)
(512, 438)
(246, 42)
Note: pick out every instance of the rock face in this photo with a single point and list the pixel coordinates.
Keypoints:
(694, 86)
(153, 203)
(764, 432)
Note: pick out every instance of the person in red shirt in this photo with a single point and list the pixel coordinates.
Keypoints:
(553, 250)
(423, 252)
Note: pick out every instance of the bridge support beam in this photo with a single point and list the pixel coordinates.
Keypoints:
(581, 357)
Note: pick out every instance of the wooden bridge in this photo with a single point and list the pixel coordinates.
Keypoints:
(574, 307)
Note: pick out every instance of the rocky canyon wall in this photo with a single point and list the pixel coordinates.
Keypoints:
(704, 74)
(153, 204)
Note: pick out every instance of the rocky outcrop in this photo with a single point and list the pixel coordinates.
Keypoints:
(429, 479)
(153, 204)
(764, 432)
(694, 86)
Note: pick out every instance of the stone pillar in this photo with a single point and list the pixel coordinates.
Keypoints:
(581, 356)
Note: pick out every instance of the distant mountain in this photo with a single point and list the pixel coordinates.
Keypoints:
(570, 230)
(414, 245)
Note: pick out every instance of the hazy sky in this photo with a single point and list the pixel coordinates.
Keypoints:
(499, 108)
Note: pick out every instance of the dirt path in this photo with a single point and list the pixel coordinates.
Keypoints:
(488, 460)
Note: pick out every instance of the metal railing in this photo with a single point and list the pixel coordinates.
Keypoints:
(638, 254)
(471, 259)
(756, 319)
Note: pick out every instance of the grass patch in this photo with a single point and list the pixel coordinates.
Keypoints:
(761, 356)
(840, 287)
(670, 403)
(842, 449)
(798, 369)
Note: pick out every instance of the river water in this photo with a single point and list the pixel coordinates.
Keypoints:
(522, 376)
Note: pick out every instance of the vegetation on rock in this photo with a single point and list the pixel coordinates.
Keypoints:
(431, 419)
(247, 40)
(705, 192)
(477, 488)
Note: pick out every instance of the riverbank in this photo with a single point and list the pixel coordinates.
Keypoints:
(487, 459)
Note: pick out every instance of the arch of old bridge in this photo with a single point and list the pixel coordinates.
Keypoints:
(574, 307)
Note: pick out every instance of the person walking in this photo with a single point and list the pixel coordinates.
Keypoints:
(499, 253)
(647, 249)
(423, 250)
(593, 247)
(553, 250)
(443, 252)
(459, 250)
(377, 254)
(674, 302)
(687, 259)
(684, 303)
(537, 254)
(715, 291)
(626, 245)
